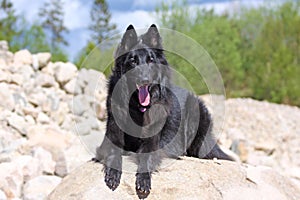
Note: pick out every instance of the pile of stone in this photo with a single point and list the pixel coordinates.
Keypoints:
(52, 117)
(261, 133)
(47, 110)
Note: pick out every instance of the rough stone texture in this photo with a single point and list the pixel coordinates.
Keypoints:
(23, 57)
(80, 104)
(5, 76)
(42, 133)
(43, 59)
(271, 133)
(39, 187)
(64, 72)
(6, 57)
(45, 80)
(29, 166)
(42, 118)
(6, 96)
(49, 138)
(72, 87)
(184, 179)
(46, 163)
(18, 122)
(2, 195)
(11, 180)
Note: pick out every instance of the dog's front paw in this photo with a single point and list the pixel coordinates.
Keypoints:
(143, 185)
(112, 178)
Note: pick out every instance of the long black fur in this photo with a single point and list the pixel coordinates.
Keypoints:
(185, 121)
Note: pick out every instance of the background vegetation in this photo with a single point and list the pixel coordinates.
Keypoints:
(257, 50)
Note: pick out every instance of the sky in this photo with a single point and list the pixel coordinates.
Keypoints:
(140, 13)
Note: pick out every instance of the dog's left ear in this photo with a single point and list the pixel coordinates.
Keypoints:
(129, 39)
(152, 38)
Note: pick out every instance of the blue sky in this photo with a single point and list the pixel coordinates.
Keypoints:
(124, 12)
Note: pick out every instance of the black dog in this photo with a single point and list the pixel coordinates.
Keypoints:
(148, 117)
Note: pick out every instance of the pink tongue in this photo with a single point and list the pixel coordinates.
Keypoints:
(144, 96)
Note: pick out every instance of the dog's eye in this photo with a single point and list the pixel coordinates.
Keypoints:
(133, 61)
(150, 59)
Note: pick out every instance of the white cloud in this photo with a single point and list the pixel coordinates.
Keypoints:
(76, 11)
(145, 4)
(229, 6)
(138, 18)
(76, 14)
(30, 8)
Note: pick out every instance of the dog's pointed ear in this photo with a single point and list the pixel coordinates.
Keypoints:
(152, 37)
(129, 38)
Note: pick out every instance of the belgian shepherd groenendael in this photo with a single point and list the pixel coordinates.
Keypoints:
(148, 117)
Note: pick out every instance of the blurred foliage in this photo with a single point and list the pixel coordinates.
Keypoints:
(257, 50)
(52, 16)
(24, 35)
(98, 51)
(8, 20)
(94, 57)
(101, 26)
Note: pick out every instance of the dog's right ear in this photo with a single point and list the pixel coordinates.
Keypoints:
(152, 37)
(129, 39)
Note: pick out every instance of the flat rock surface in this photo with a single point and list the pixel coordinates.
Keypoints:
(188, 178)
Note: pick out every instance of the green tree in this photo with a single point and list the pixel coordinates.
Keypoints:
(217, 35)
(92, 57)
(101, 26)
(220, 38)
(276, 59)
(175, 15)
(102, 30)
(31, 37)
(83, 54)
(8, 20)
(52, 15)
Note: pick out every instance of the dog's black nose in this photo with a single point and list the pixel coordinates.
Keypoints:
(145, 81)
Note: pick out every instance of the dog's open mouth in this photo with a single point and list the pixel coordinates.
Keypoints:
(144, 96)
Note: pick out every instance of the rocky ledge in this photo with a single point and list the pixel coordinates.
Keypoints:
(188, 179)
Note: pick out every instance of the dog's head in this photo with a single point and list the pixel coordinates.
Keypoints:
(143, 61)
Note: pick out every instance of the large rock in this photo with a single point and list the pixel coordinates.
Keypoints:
(11, 180)
(5, 76)
(43, 59)
(46, 163)
(51, 139)
(18, 122)
(45, 80)
(5, 56)
(6, 96)
(29, 166)
(64, 72)
(2, 195)
(4, 45)
(72, 87)
(71, 158)
(80, 104)
(271, 134)
(39, 187)
(184, 179)
(23, 57)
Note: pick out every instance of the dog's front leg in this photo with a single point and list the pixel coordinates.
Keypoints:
(111, 157)
(147, 163)
(113, 171)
